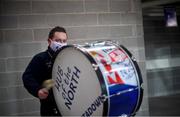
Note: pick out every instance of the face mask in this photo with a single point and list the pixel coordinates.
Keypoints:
(56, 45)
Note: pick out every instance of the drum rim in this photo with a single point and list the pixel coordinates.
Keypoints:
(98, 73)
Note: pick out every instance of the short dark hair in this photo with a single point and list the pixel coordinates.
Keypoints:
(56, 29)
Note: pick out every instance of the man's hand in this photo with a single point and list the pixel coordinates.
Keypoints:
(43, 93)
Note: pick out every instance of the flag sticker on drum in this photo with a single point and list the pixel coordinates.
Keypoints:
(115, 80)
(117, 55)
(116, 66)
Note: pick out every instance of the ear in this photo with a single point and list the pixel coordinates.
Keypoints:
(49, 41)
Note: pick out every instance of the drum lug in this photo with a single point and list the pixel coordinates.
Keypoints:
(133, 58)
(95, 66)
(142, 86)
(104, 98)
(123, 115)
(87, 43)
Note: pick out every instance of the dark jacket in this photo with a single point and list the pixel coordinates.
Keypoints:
(39, 70)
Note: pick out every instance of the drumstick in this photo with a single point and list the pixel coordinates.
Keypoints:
(48, 84)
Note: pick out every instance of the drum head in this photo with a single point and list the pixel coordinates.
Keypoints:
(77, 88)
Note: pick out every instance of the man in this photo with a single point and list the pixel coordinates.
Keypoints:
(40, 69)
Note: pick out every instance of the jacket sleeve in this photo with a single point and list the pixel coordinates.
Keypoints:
(30, 76)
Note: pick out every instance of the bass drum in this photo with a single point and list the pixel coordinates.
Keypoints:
(96, 79)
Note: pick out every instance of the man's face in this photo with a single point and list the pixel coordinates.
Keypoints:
(60, 37)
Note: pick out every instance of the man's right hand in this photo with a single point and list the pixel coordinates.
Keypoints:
(43, 93)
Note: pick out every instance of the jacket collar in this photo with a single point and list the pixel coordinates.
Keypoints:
(51, 52)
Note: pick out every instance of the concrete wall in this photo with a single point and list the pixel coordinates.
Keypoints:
(24, 26)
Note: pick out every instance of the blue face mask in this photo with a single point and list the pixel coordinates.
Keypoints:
(56, 45)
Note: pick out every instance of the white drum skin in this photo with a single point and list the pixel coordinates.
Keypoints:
(77, 77)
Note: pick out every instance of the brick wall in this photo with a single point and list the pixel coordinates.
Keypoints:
(24, 26)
